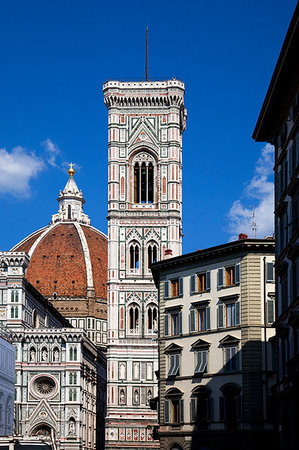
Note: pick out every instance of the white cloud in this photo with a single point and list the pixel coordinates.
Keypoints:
(52, 151)
(17, 168)
(258, 193)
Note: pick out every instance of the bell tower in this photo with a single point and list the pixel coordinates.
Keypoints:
(146, 121)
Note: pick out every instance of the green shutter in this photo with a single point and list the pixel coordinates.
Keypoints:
(220, 316)
(208, 317)
(166, 289)
(270, 311)
(166, 325)
(192, 320)
(192, 284)
(166, 411)
(208, 281)
(181, 411)
(181, 286)
(220, 277)
(192, 410)
(238, 313)
(237, 273)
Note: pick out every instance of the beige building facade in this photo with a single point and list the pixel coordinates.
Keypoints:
(216, 364)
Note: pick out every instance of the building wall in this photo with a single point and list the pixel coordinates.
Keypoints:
(7, 384)
(252, 376)
(145, 126)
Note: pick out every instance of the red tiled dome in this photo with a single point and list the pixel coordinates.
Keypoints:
(69, 256)
(60, 262)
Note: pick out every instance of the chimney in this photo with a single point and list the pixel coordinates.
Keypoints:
(167, 253)
(243, 236)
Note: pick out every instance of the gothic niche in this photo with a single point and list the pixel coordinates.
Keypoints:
(44, 386)
(144, 178)
(42, 430)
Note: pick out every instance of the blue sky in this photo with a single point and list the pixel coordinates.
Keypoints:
(55, 56)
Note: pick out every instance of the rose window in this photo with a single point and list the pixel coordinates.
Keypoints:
(44, 386)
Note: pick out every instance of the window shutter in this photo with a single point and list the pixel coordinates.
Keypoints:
(270, 272)
(208, 281)
(181, 286)
(166, 327)
(192, 410)
(210, 409)
(220, 316)
(177, 364)
(166, 411)
(181, 411)
(227, 359)
(220, 277)
(270, 311)
(238, 313)
(208, 316)
(192, 284)
(166, 289)
(192, 320)
(239, 407)
(237, 273)
(180, 323)
(221, 409)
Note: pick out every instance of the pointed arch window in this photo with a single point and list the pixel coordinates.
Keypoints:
(69, 212)
(144, 179)
(134, 317)
(152, 254)
(134, 256)
(152, 318)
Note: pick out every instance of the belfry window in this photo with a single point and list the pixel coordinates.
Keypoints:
(151, 254)
(152, 317)
(69, 212)
(134, 317)
(143, 182)
(134, 256)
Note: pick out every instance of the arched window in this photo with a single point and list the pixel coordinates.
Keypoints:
(230, 405)
(134, 317)
(75, 354)
(152, 254)
(71, 354)
(134, 256)
(152, 317)
(69, 212)
(12, 312)
(16, 312)
(14, 296)
(201, 407)
(143, 179)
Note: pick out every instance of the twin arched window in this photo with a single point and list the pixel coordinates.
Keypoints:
(134, 317)
(134, 256)
(152, 316)
(73, 354)
(151, 254)
(14, 312)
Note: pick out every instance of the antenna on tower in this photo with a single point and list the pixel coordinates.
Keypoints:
(146, 56)
(253, 224)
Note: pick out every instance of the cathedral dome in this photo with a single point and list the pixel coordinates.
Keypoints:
(69, 256)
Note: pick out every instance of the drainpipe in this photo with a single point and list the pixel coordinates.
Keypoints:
(265, 342)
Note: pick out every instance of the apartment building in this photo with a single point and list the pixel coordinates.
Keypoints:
(278, 123)
(216, 310)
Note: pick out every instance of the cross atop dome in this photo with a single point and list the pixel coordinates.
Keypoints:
(71, 202)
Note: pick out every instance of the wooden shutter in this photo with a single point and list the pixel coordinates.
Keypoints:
(227, 359)
(193, 284)
(220, 277)
(270, 311)
(181, 286)
(221, 409)
(166, 325)
(166, 411)
(193, 410)
(237, 273)
(208, 317)
(270, 272)
(181, 411)
(210, 409)
(238, 313)
(192, 320)
(220, 316)
(208, 281)
(180, 323)
(166, 289)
